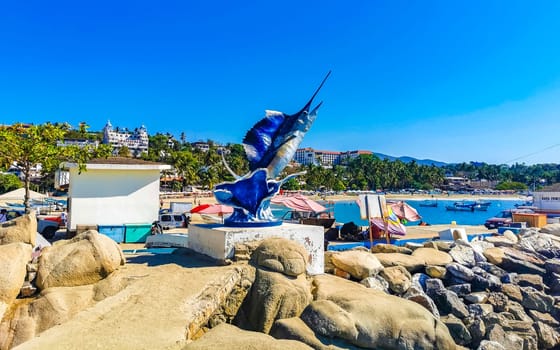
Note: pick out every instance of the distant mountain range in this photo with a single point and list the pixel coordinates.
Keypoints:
(406, 159)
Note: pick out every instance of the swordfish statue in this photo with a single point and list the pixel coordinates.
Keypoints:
(269, 146)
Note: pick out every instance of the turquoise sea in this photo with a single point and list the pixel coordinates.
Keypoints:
(347, 211)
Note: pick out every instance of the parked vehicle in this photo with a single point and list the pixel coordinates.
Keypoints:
(173, 220)
(47, 227)
(309, 218)
(503, 218)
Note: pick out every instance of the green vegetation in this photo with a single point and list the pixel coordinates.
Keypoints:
(9, 182)
(511, 185)
(27, 146)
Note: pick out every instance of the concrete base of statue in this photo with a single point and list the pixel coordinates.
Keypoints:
(218, 241)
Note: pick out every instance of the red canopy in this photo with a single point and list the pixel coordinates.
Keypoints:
(298, 202)
(218, 209)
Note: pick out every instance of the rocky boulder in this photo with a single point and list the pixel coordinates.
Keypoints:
(373, 320)
(463, 254)
(359, 264)
(85, 259)
(398, 277)
(432, 256)
(275, 296)
(225, 336)
(13, 261)
(390, 248)
(281, 255)
(295, 329)
(22, 229)
(411, 263)
(551, 229)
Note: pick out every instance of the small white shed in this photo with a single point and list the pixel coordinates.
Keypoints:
(113, 191)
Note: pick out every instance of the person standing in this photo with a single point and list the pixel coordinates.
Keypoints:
(3, 215)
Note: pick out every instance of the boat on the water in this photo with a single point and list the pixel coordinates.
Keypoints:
(431, 204)
(461, 206)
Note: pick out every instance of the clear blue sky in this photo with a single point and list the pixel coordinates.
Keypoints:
(446, 80)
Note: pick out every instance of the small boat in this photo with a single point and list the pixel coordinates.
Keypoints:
(480, 207)
(461, 206)
(429, 204)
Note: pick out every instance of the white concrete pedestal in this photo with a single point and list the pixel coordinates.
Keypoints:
(219, 242)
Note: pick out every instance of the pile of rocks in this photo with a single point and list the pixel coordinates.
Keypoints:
(40, 288)
(324, 311)
(497, 293)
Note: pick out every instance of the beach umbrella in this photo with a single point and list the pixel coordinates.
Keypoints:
(298, 202)
(393, 227)
(404, 211)
(214, 209)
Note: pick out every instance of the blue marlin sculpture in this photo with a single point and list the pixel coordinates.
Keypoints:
(269, 146)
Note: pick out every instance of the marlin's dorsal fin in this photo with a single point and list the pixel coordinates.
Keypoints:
(263, 140)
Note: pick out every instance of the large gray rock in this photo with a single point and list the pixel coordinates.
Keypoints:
(492, 269)
(13, 269)
(376, 282)
(535, 300)
(551, 229)
(490, 345)
(463, 254)
(226, 336)
(275, 296)
(359, 264)
(448, 303)
(281, 255)
(22, 229)
(458, 330)
(552, 265)
(477, 330)
(460, 271)
(417, 295)
(372, 319)
(85, 259)
(521, 266)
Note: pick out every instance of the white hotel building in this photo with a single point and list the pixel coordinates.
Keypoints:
(306, 156)
(136, 142)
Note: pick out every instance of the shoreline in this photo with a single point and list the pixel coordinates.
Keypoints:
(350, 198)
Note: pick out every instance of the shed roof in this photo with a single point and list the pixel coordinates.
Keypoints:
(121, 163)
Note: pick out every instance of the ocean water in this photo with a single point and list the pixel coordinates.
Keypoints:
(346, 211)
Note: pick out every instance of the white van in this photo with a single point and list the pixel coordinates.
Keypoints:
(173, 220)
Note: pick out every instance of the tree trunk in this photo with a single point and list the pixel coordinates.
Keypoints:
(27, 182)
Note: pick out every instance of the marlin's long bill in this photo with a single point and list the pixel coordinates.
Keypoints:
(308, 104)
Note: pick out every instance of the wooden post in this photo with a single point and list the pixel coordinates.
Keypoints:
(369, 225)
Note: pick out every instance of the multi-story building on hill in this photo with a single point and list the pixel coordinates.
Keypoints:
(309, 155)
(136, 141)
